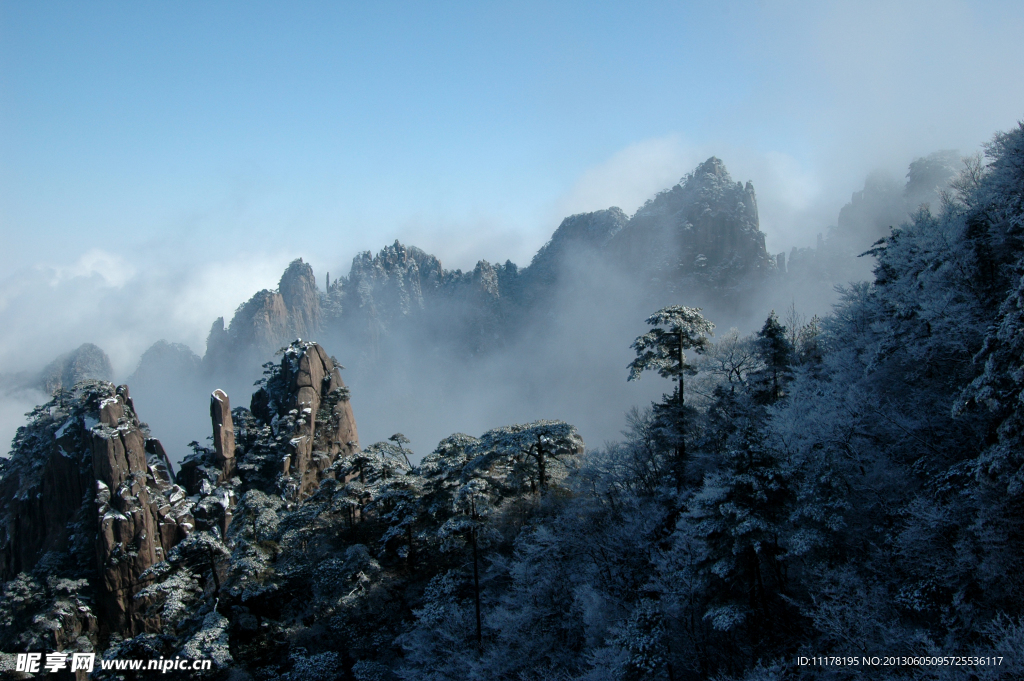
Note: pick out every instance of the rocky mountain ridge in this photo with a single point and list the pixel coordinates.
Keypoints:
(399, 312)
(701, 235)
(421, 336)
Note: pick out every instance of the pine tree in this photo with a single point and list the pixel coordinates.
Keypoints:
(741, 514)
(777, 353)
(663, 349)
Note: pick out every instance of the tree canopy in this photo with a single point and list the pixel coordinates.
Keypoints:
(676, 329)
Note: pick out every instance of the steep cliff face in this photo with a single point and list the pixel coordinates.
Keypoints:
(585, 232)
(305, 405)
(261, 322)
(87, 494)
(267, 321)
(141, 513)
(101, 541)
(703, 233)
(301, 300)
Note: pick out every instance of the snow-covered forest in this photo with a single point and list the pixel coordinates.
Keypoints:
(844, 485)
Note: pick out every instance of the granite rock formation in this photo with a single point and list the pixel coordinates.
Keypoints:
(298, 291)
(306, 403)
(85, 362)
(581, 232)
(266, 321)
(701, 235)
(88, 495)
(223, 432)
(102, 542)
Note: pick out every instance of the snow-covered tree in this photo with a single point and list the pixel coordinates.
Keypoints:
(533, 454)
(776, 352)
(732, 358)
(367, 477)
(663, 349)
(741, 515)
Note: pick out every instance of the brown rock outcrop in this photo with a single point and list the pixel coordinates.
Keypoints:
(223, 432)
(314, 379)
(102, 482)
(262, 322)
(308, 401)
(140, 514)
(298, 291)
(266, 321)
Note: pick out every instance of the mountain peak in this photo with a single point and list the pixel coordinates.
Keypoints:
(712, 166)
(87, 361)
(298, 291)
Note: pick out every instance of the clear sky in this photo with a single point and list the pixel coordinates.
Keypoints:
(161, 161)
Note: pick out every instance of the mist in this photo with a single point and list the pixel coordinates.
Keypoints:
(566, 360)
(156, 184)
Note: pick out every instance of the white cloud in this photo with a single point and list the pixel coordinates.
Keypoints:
(792, 204)
(630, 176)
(791, 201)
(109, 269)
(100, 298)
(123, 308)
(215, 289)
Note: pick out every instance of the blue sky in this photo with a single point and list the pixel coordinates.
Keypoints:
(337, 117)
(159, 162)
